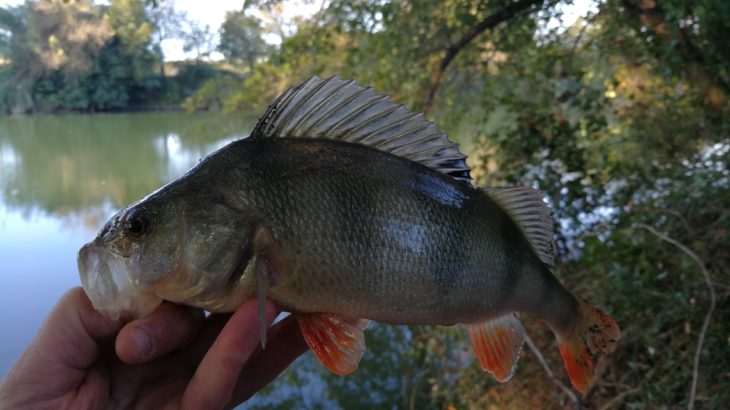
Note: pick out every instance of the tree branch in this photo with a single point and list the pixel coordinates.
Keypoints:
(618, 398)
(588, 20)
(706, 324)
(489, 22)
(543, 362)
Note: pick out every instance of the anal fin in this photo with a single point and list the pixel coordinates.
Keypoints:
(497, 344)
(337, 342)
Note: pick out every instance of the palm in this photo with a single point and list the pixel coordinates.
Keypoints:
(195, 362)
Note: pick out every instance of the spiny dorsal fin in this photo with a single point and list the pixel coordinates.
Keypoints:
(526, 206)
(342, 110)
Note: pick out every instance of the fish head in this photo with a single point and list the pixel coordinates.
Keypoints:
(112, 266)
(180, 245)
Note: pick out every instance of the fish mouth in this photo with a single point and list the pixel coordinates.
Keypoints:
(106, 281)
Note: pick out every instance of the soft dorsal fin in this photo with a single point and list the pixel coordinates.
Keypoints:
(342, 110)
(526, 206)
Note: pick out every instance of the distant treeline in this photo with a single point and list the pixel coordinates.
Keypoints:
(79, 56)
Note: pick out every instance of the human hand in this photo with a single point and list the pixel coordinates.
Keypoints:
(174, 358)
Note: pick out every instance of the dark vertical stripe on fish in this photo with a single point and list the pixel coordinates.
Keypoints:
(513, 257)
(546, 290)
(453, 245)
(356, 237)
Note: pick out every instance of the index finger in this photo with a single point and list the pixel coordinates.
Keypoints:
(214, 380)
(286, 343)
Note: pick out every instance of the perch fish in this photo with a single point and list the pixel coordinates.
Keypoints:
(344, 207)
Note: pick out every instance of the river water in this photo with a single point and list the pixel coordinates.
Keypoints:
(61, 177)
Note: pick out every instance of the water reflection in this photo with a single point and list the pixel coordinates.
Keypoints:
(67, 164)
(61, 178)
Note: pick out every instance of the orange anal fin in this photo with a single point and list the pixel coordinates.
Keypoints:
(497, 344)
(337, 342)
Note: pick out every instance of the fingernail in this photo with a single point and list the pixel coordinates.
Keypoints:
(142, 341)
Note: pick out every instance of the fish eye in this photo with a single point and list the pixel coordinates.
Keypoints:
(137, 223)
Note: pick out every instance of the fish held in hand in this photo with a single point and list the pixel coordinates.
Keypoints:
(344, 207)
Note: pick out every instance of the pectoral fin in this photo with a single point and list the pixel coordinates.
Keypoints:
(337, 342)
(263, 282)
(265, 275)
(497, 344)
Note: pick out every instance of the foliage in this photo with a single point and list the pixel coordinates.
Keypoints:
(241, 38)
(78, 56)
(212, 95)
(198, 38)
(620, 118)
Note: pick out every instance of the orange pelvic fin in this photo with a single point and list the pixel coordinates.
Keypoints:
(595, 332)
(497, 344)
(337, 342)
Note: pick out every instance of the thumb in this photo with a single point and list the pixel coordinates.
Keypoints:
(68, 343)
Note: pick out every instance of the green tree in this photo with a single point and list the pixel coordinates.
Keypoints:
(168, 25)
(76, 55)
(198, 38)
(47, 37)
(134, 29)
(620, 118)
(240, 38)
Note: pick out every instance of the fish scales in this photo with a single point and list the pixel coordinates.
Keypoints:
(351, 209)
(343, 207)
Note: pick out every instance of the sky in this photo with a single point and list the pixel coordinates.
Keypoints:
(206, 12)
(212, 13)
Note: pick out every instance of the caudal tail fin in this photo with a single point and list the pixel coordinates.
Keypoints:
(594, 332)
